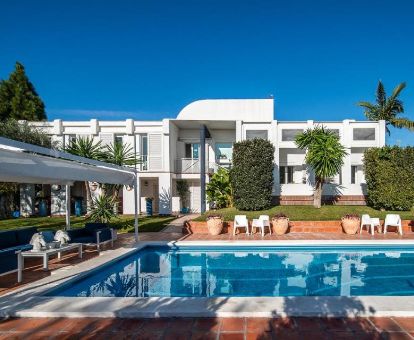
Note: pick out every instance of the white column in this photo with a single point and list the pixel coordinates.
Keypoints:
(346, 167)
(27, 198)
(239, 130)
(136, 207)
(67, 194)
(276, 170)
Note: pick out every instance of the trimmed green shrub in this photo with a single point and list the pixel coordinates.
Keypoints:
(252, 174)
(389, 173)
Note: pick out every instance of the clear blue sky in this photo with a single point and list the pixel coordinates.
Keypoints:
(148, 59)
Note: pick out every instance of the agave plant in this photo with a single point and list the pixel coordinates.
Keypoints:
(388, 109)
(102, 209)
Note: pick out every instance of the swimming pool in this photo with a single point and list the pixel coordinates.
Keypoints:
(165, 271)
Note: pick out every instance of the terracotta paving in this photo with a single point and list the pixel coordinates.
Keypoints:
(208, 328)
(198, 328)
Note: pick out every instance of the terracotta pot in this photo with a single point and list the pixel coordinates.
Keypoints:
(215, 225)
(350, 226)
(280, 225)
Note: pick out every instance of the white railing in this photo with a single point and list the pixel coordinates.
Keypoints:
(192, 166)
(187, 166)
(143, 163)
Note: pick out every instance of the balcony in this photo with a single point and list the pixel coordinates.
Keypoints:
(192, 166)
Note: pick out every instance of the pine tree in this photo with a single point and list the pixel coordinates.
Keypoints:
(19, 99)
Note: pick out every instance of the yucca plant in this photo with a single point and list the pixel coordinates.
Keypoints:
(388, 109)
(88, 148)
(102, 209)
(122, 155)
(324, 154)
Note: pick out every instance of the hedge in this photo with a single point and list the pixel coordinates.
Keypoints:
(389, 173)
(252, 174)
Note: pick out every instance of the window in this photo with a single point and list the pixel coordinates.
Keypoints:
(364, 134)
(144, 151)
(288, 135)
(354, 170)
(252, 134)
(224, 152)
(192, 150)
(286, 174)
(119, 139)
(69, 139)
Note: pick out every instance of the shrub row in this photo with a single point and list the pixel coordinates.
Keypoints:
(389, 173)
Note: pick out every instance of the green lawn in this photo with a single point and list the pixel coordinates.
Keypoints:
(309, 213)
(123, 224)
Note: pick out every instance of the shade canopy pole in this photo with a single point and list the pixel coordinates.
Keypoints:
(135, 190)
(67, 189)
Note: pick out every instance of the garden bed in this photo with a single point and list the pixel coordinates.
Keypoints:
(334, 226)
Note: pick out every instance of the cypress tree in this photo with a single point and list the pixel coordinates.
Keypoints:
(19, 99)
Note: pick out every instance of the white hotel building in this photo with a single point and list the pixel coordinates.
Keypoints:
(173, 149)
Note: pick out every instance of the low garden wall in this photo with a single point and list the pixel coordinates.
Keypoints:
(200, 227)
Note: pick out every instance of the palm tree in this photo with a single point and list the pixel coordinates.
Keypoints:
(86, 147)
(122, 155)
(324, 155)
(388, 109)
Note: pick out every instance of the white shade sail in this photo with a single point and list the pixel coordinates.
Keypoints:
(22, 167)
(26, 163)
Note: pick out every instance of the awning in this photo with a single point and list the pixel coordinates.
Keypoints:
(23, 167)
(26, 163)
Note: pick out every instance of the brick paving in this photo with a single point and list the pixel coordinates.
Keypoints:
(198, 328)
(208, 328)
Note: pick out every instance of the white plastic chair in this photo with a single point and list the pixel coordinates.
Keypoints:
(366, 220)
(265, 222)
(240, 221)
(394, 221)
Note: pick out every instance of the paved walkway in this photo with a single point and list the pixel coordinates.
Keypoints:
(176, 226)
(208, 328)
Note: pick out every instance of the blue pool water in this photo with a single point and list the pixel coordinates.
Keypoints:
(252, 271)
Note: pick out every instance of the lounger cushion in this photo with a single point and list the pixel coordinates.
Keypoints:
(25, 235)
(91, 227)
(48, 235)
(83, 239)
(8, 239)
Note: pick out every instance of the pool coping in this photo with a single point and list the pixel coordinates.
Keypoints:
(28, 301)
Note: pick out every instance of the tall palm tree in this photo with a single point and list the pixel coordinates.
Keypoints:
(388, 109)
(122, 155)
(324, 155)
(86, 147)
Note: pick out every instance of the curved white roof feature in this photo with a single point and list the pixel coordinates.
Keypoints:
(247, 110)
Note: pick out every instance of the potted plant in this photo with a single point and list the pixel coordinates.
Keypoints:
(183, 191)
(148, 206)
(280, 223)
(350, 223)
(215, 224)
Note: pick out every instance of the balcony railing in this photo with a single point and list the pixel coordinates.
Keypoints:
(143, 163)
(187, 166)
(192, 166)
